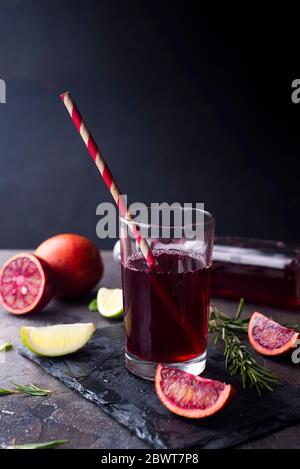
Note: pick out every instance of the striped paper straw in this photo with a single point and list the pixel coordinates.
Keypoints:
(105, 173)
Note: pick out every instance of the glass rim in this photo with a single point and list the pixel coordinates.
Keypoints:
(210, 219)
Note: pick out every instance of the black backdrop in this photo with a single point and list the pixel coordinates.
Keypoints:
(188, 105)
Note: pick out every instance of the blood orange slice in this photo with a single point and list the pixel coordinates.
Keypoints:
(268, 337)
(26, 284)
(188, 395)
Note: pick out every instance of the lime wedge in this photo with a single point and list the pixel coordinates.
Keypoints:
(55, 341)
(110, 302)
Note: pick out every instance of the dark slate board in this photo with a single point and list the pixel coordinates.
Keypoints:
(97, 372)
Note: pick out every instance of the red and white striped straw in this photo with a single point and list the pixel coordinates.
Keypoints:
(105, 173)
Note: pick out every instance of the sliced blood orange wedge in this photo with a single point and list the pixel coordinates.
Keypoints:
(268, 337)
(26, 284)
(188, 395)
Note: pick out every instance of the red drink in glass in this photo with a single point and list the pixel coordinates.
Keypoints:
(166, 306)
(154, 332)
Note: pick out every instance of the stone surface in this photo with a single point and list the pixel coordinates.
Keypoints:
(97, 373)
(67, 415)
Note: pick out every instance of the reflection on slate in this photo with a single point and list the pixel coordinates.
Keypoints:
(97, 372)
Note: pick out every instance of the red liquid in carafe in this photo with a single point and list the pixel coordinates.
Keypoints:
(266, 272)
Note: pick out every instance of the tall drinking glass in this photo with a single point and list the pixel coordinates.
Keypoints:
(166, 308)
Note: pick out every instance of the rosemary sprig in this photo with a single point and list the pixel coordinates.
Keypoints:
(6, 346)
(219, 320)
(45, 445)
(238, 358)
(30, 389)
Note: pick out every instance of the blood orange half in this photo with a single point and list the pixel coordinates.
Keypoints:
(268, 337)
(188, 395)
(26, 284)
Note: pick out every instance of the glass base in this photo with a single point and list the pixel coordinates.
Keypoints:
(146, 370)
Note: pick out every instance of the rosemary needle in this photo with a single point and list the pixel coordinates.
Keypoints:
(45, 445)
(3, 391)
(30, 389)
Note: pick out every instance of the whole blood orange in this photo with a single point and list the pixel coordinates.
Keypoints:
(76, 263)
(26, 284)
(188, 395)
(268, 337)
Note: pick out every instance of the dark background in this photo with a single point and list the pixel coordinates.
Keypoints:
(187, 104)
